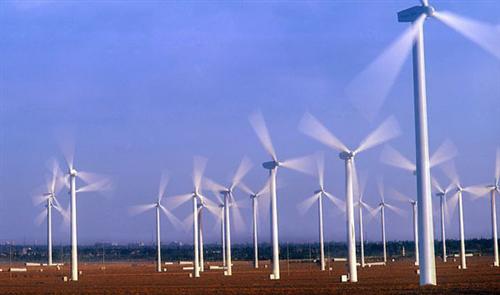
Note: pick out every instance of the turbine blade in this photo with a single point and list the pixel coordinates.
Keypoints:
(260, 128)
(450, 206)
(173, 220)
(445, 152)
(213, 186)
(301, 164)
(163, 185)
(68, 150)
(103, 185)
(41, 217)
(391, 156)
(436, 185)
(306, 204)
(310, 126)
(245, 189)
(396, 210)
(138, 209)
(497, 166)
(369, 89)
(176, 201)
(336, 201)
(386, 131)
(265, 189)
(380, 187)
(450, 171)
(199, 165)
(485, 35)
(239, 222)
(243, 168)
(39, 199)
(478, 191)
(399, 196)
(187, 223)
(320, 165)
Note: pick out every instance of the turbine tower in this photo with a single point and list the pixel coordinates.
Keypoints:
(495, 188)
(94, 183)
(230, 202)
(362, 204)
(413, 204)
(318, 196)
(299, 164)
(158, 207)
(442, 194)
(53, 186)
(386, 131)
(255, 196)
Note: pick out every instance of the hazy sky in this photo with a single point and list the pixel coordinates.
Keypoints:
(145, 85)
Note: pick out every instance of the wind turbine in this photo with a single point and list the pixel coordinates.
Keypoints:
(298, 164)
(53, 186)
(442, 194)
(404, 198)
(386, 131)
(254, 196)
(318, 197)
(381, 207)
(158, 207)
(199, 165)
(94, 183)
(230, 202)
(391, 60)
(362, 204)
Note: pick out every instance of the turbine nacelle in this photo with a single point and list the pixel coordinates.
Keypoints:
(72, 172)
(440, 194)
(320, 191)
(347, 155)
(271, 165)
(413, 13)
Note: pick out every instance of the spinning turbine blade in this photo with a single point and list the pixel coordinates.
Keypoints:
(380, 187)
(400, 196)
(39, 199)
(320, 165)
(396, 210)
(136, 210)
(451, 172)
(336, 201)
(478, 191)
(369, 89)
(301, 164)
(243, 168)
(239, 222)
(163, 185)
(391, 156)
(245, 188)
(484, 35)
(260, 128)
(305, 205)
(103, 185)
(41, 217)
(213, 186)
(187, 223)
(497, 166)
(173, 220)
(436, 185)
(445, 152)
(68, 151)
(199, 165)
(386, 131)
(176, 201)
(310, 126)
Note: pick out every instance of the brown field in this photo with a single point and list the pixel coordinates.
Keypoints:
(296, 278)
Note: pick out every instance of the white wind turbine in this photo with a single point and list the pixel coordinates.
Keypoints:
(53, 187)
(362, 204)
(370, 84)
(403, 198)
(255, 196)
(318, 195)
(381, 208)
(93, 183)
(386, 131)
(298, 164)
(199, 165)
(158, 207)
(476, 191)
(493, 189)
(230, 203)
(442, 193)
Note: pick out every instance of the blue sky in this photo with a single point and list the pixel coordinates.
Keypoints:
(143, 86)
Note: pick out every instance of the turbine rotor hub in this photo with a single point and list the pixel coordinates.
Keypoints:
(346, 155)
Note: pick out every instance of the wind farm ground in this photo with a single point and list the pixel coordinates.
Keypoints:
(296, 278)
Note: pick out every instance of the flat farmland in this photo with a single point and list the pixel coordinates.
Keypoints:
(296, 278)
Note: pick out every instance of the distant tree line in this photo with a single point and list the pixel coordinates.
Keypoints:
(107, 252)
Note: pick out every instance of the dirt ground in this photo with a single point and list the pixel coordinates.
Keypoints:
(296, 278)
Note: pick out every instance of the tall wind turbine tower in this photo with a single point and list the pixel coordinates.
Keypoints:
(386, 131)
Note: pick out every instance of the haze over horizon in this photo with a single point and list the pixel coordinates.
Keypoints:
(143, 87)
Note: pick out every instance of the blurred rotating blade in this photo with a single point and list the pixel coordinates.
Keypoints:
(41, 217)
(310, 126)
(163, 185)
(173, 220)
(388, 130)
(260, 128)
(246, 189)
(445, 152)
(391, 156)
(301, 164)
(497, 167)
(436, 185)
(243, 169)
(336, 201)
(199, 165)
(320, 165)
(306, 204)
(396, 210)
(176, 201)
(138, 209)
